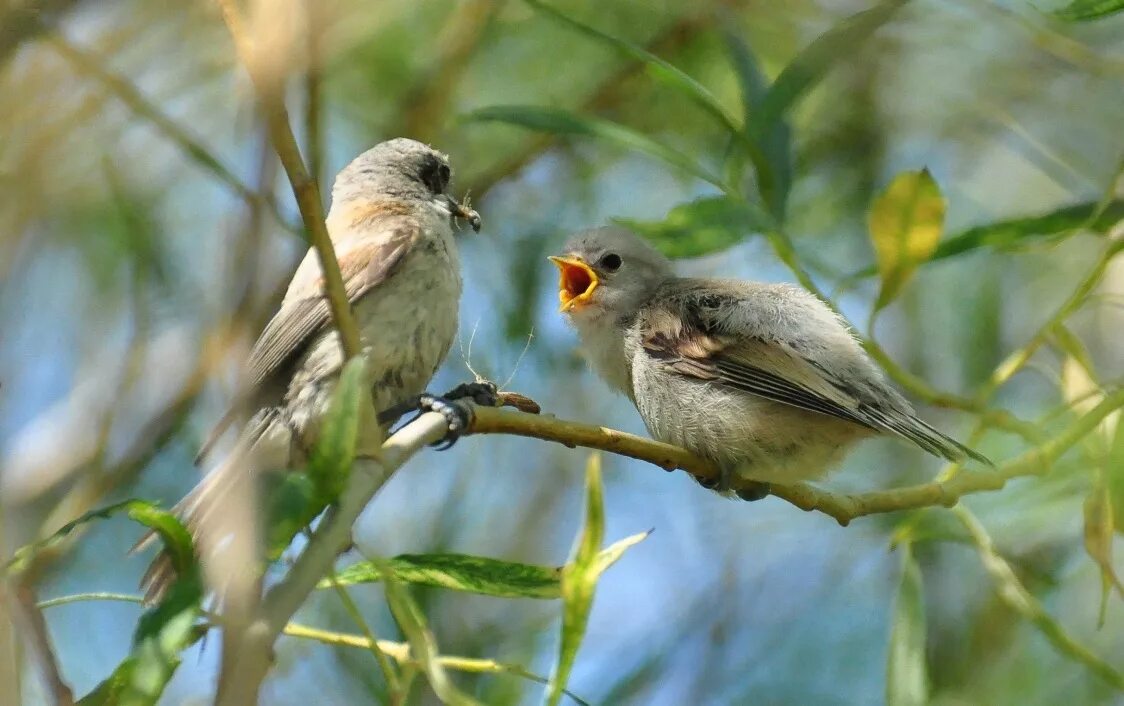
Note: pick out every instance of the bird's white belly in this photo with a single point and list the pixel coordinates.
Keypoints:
(742, 433)
(407, 325)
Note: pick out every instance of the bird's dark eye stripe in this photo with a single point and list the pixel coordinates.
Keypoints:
(435, 174)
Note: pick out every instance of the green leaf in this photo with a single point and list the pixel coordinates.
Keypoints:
(460, 572)
(773, 157)
(330, 462)
(700, 227)
(24, 555)
(1006, 234)
(659, 69)
(164, 631)
(1114, 474)
(561, 122)
(906, 673)
(905, 225)
(819, 57)
(293, 502)
(579, 579)
(1086, 10)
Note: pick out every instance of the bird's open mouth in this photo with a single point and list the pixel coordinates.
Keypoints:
(576, 282)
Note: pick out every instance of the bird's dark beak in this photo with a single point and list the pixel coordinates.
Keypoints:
(576, 281)
(461, 210)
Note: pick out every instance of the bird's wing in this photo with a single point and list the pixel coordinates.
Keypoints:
(692, 332)
(688, 341)
(365, 264)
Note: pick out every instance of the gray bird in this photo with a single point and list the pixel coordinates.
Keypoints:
(391, 223)
(763, 380)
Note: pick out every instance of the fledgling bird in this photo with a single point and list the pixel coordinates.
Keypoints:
(391, 223)
(763, 380)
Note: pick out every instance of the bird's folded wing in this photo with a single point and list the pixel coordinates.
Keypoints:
(685, 341)
(365, 265)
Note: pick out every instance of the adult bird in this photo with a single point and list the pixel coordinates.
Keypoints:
(392, 223)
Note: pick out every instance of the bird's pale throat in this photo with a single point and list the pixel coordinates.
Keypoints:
(576, 281)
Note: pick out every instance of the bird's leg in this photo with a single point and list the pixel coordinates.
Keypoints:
(753, 491)
(449, 405)
(749, 490)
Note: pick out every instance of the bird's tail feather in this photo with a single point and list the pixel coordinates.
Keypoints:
(194, 511)
(930, 439)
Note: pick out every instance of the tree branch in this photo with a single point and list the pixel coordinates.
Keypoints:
(269, 87)
(330, 538)
(842, 507)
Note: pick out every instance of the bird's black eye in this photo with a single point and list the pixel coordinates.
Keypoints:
(435, 175)
(610, 262)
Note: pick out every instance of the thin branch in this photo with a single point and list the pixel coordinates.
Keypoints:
(1012, 592)
(393, 683)
(270, 93)
(607, 96)
(842, 507)
(330, 538)
(40, 641)
(91, 64)
(19, 24)
(400, 652)
(314, 82)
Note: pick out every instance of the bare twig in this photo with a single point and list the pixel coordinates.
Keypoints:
(1012, 592)
(607, 96)
(19, 23)
(842, 507)
(313, 81)
(35, 632)
(331, 537)
(91, 64)
(269, 86)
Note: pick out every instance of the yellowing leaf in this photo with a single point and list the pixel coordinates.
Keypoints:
(1098, 542)
(905, 224)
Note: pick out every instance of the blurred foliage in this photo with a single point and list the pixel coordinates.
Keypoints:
(144, 238)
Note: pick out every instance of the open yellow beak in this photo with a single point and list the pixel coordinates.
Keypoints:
(576, 281)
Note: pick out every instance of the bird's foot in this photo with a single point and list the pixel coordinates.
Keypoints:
(457, 415)
(723, 484)
(753, 491)
(482, 392)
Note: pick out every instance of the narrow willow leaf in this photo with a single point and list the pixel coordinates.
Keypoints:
(24, 555)
(612, 553)
(814, 61)
(905, 225)
(700, 227)
(773, 155)
(1086, 10)
(292, 502)
(330, 461)
(907, 682)
(659, 69)
(165, 630)
(561, 122)
(423, 645)
(579, 579)
(1006, 234)
(1098, 542)
(460, 572)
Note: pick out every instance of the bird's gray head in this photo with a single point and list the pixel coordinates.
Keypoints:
(403, 170)
(608, 271)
